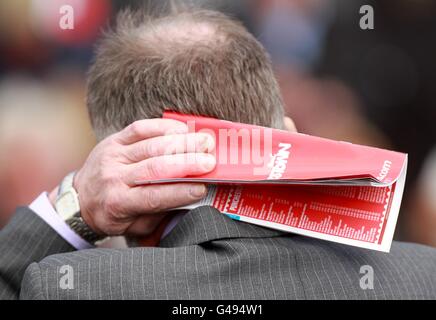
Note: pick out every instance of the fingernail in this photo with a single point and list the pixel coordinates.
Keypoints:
(207, 162)
(198, 191)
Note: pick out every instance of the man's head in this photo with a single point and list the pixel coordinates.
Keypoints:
(197, 62)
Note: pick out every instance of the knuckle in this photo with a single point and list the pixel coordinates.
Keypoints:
(153, 200)
(149, 149)
(172, 145)
(154, 169)
(114, 139)
(135, 128)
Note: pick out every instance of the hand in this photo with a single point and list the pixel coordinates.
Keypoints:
(110, 200)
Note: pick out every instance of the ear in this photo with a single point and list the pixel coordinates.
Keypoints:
(289, 124)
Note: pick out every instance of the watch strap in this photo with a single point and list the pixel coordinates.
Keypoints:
(68, 207)
(79, 226)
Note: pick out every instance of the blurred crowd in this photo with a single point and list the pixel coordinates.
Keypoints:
(374, 87)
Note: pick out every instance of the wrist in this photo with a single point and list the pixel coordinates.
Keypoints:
(67, 204)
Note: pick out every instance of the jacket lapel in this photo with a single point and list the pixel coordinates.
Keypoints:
(206, 223)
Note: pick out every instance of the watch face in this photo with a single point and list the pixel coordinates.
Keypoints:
(67, 204)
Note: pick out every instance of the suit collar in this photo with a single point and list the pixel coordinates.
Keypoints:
(205, 224)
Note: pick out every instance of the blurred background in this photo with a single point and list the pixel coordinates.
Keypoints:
(374, 87)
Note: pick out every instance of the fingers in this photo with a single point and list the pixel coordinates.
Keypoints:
(169, 167)
(170, 144)
(149, 128)
(158, 198)
(289, 124)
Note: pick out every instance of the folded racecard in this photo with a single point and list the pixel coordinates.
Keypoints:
(311, 186)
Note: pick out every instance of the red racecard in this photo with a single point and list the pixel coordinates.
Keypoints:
(307, 185)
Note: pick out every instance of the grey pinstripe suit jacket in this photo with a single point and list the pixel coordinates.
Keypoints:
(208, 256)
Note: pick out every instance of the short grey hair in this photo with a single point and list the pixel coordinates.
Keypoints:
(198, 62)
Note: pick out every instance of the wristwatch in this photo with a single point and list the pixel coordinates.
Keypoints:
(68, 207)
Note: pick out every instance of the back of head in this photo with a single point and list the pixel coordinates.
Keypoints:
(197, 62)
